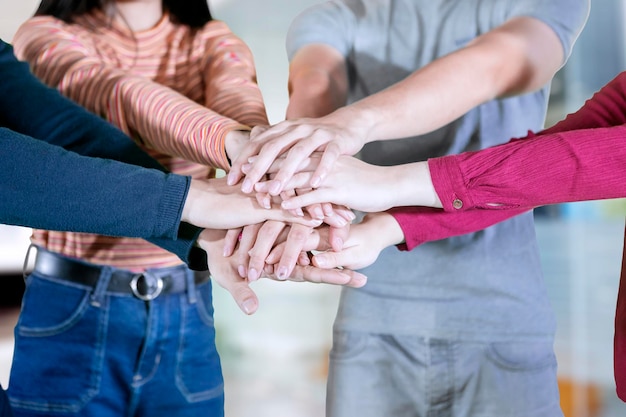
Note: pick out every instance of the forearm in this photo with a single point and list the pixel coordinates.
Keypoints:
(425, 224)
(230, 79)
(520, 56)
(161, 118)
(103, 196)
(570, 166)
(318, 82)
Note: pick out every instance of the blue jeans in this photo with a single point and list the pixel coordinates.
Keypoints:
(84, 351)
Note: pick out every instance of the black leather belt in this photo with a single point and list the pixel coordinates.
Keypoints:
(146, 285)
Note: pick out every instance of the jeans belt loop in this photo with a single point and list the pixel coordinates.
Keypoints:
(101, 286)
(153, 285)
(191, 286)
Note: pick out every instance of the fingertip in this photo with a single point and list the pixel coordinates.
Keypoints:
(249, 306)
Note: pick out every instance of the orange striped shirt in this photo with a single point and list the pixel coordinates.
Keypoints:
(178, 91)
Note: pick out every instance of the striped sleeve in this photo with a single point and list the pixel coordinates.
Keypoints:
(229, 75)
(164, 119)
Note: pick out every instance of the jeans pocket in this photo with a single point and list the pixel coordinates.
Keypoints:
(58, 348)
(198, 369)
(347, 344)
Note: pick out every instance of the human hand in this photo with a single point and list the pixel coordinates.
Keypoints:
(358, 185)
(361, 246)
(297, 139)
(258, 249)
(224, 271)
(216, 205)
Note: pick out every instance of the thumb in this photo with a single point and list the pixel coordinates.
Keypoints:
(245, 298)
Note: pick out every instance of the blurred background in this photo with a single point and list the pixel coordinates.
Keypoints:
(275, 362)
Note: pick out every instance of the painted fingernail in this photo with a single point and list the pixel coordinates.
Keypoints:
(282, 273)
(230, 179)
(242, 271)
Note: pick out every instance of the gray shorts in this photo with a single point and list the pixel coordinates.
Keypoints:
(378, 375)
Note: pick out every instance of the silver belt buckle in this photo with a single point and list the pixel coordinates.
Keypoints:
(153, 286)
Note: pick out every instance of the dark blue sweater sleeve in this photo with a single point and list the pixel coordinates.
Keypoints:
(35, 110)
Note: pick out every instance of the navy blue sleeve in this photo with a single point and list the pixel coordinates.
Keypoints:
(44, 187)
(30, 107)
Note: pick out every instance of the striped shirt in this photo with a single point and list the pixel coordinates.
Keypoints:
(178, 91)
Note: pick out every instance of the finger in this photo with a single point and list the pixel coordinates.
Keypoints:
(285, 195)
(337, 236)
(230, 241)
(296, 240)
(271, 148)
(264, 200)
(296, 157)
(328, 276)
(344, 212)
(235, 174)
(316, 196)
(314, 210)
(334, 220)
(265, 239)
(275, 254)
(248, 237)
(243, 295)
(329, 157)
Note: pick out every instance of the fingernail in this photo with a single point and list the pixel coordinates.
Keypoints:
(253, 275)
(320, 260)
(316, 181)
(245, 168)
(318, 213)
(230, 179)
(242, 271)
(282, 273)
(275, 187)
(286, 205)
(226, 252)
(361, 280)
(246, 187)
(249, 306)
(266, 203)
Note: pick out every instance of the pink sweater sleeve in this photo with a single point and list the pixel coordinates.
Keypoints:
(581, 158)
(137, 105)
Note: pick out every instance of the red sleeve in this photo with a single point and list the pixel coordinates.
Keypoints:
(425, 224)
(580, 158)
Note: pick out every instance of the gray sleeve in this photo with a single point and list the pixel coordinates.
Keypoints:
(566, 17)
(332, 23)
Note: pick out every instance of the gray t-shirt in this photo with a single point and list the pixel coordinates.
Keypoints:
(481, 286)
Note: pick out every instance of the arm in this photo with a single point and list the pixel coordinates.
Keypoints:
(517, 57)
(136, 104)
(318, 82)
(31, 108)
(229, 76)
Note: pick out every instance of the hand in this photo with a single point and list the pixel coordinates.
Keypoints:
(360, 186)
(328, 134)
(224, 271)
(259, 251)
(216, 205)
(361, 247)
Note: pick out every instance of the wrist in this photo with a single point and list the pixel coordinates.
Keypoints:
(234, 142)
(387, 230)
(414, 186)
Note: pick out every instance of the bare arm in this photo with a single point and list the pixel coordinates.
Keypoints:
(519, 56)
